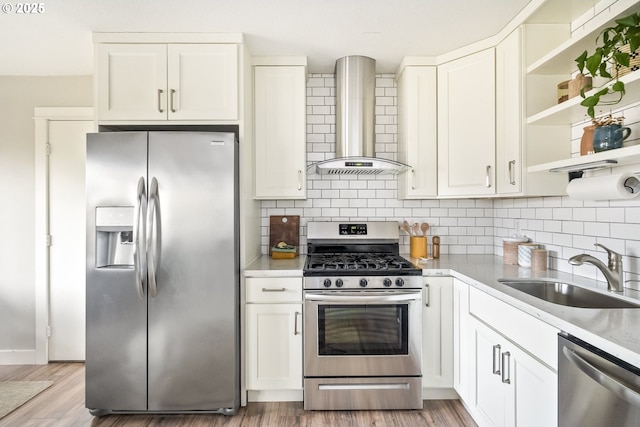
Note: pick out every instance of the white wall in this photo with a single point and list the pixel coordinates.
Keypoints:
(18, 97)
(466, 226)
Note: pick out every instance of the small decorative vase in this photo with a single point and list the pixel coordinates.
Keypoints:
(609, 137)
(586, 143)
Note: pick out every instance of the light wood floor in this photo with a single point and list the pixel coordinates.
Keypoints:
(62, 405)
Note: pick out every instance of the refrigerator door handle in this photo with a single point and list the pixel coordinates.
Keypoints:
(153, 237)
(140, 256)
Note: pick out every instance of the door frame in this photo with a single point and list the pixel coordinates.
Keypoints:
(42, 117)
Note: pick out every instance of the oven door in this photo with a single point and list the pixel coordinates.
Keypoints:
(362, 333)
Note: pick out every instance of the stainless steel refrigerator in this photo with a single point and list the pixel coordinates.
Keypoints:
(162, 272)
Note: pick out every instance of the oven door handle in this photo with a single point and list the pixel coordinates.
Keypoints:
(370, 297)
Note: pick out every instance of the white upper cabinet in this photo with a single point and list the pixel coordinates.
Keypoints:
(203, 81)
(159, 82)
(131, 81)
(417, 132)
(280, 132)
(518, 145)
(509, 115)
(466, 125)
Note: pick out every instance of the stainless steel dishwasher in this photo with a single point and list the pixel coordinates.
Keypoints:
(595, 389)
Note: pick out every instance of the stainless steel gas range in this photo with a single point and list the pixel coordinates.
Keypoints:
(362, 319)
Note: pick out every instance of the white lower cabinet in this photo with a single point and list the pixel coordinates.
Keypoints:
(437, 335)
(512, 371)
(273, 334)
(461, 357)
(511, 387)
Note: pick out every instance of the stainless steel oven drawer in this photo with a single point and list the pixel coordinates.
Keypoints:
(362, 393)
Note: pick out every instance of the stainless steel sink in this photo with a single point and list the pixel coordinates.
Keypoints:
(567, 294)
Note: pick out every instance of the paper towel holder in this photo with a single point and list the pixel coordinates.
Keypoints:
(633, 186)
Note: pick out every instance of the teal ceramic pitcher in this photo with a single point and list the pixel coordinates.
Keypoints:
(609, 137)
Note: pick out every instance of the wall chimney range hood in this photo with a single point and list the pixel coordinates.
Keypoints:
(355, 122)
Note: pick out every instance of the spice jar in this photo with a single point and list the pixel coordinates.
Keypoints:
(436, 246)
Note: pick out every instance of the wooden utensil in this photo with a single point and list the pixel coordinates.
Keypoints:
(425, 228)
(416, 229)
(405, 226)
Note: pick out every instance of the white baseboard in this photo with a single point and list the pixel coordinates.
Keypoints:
(274, 395)
(439, 394)
(18, 357)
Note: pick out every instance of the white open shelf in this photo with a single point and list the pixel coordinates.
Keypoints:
(561, 60)
(571, 111)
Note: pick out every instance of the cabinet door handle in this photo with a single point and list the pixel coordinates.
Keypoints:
(496, 359)
(488, 183)
(299, 180)
(413, 179)
(506, 367)
(173, 92)
(295, 323)
(160, 92)
(512, 172)
(273, 289)
(428, 298)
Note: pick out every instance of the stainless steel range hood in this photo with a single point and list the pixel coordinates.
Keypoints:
(355, 122)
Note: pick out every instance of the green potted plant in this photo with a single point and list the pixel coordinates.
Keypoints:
(608, 58)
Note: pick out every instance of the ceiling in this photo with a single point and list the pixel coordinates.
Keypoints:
(59, 40)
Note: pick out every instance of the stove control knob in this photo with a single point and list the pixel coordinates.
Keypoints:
(387, 282)
(327, 283)
(363, 283)
(339, 283)
(399, 281)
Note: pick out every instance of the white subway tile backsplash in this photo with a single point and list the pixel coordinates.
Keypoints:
(566, 227)
(610, 214)
(584, 214)
(596, 229)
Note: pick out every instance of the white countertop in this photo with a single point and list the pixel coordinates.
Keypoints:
(616, 331)
(265, 266)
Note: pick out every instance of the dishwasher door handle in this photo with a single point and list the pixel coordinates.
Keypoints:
(613, 385)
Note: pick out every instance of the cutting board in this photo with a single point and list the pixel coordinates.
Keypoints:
(284, 228)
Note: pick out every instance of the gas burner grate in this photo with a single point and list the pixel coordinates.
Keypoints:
(356, 262)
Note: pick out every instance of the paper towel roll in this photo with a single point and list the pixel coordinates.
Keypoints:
(608, 187)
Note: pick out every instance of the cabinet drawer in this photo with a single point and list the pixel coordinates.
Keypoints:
(536, 337)
(274, 289)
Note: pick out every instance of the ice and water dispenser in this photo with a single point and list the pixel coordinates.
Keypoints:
(114, 236)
